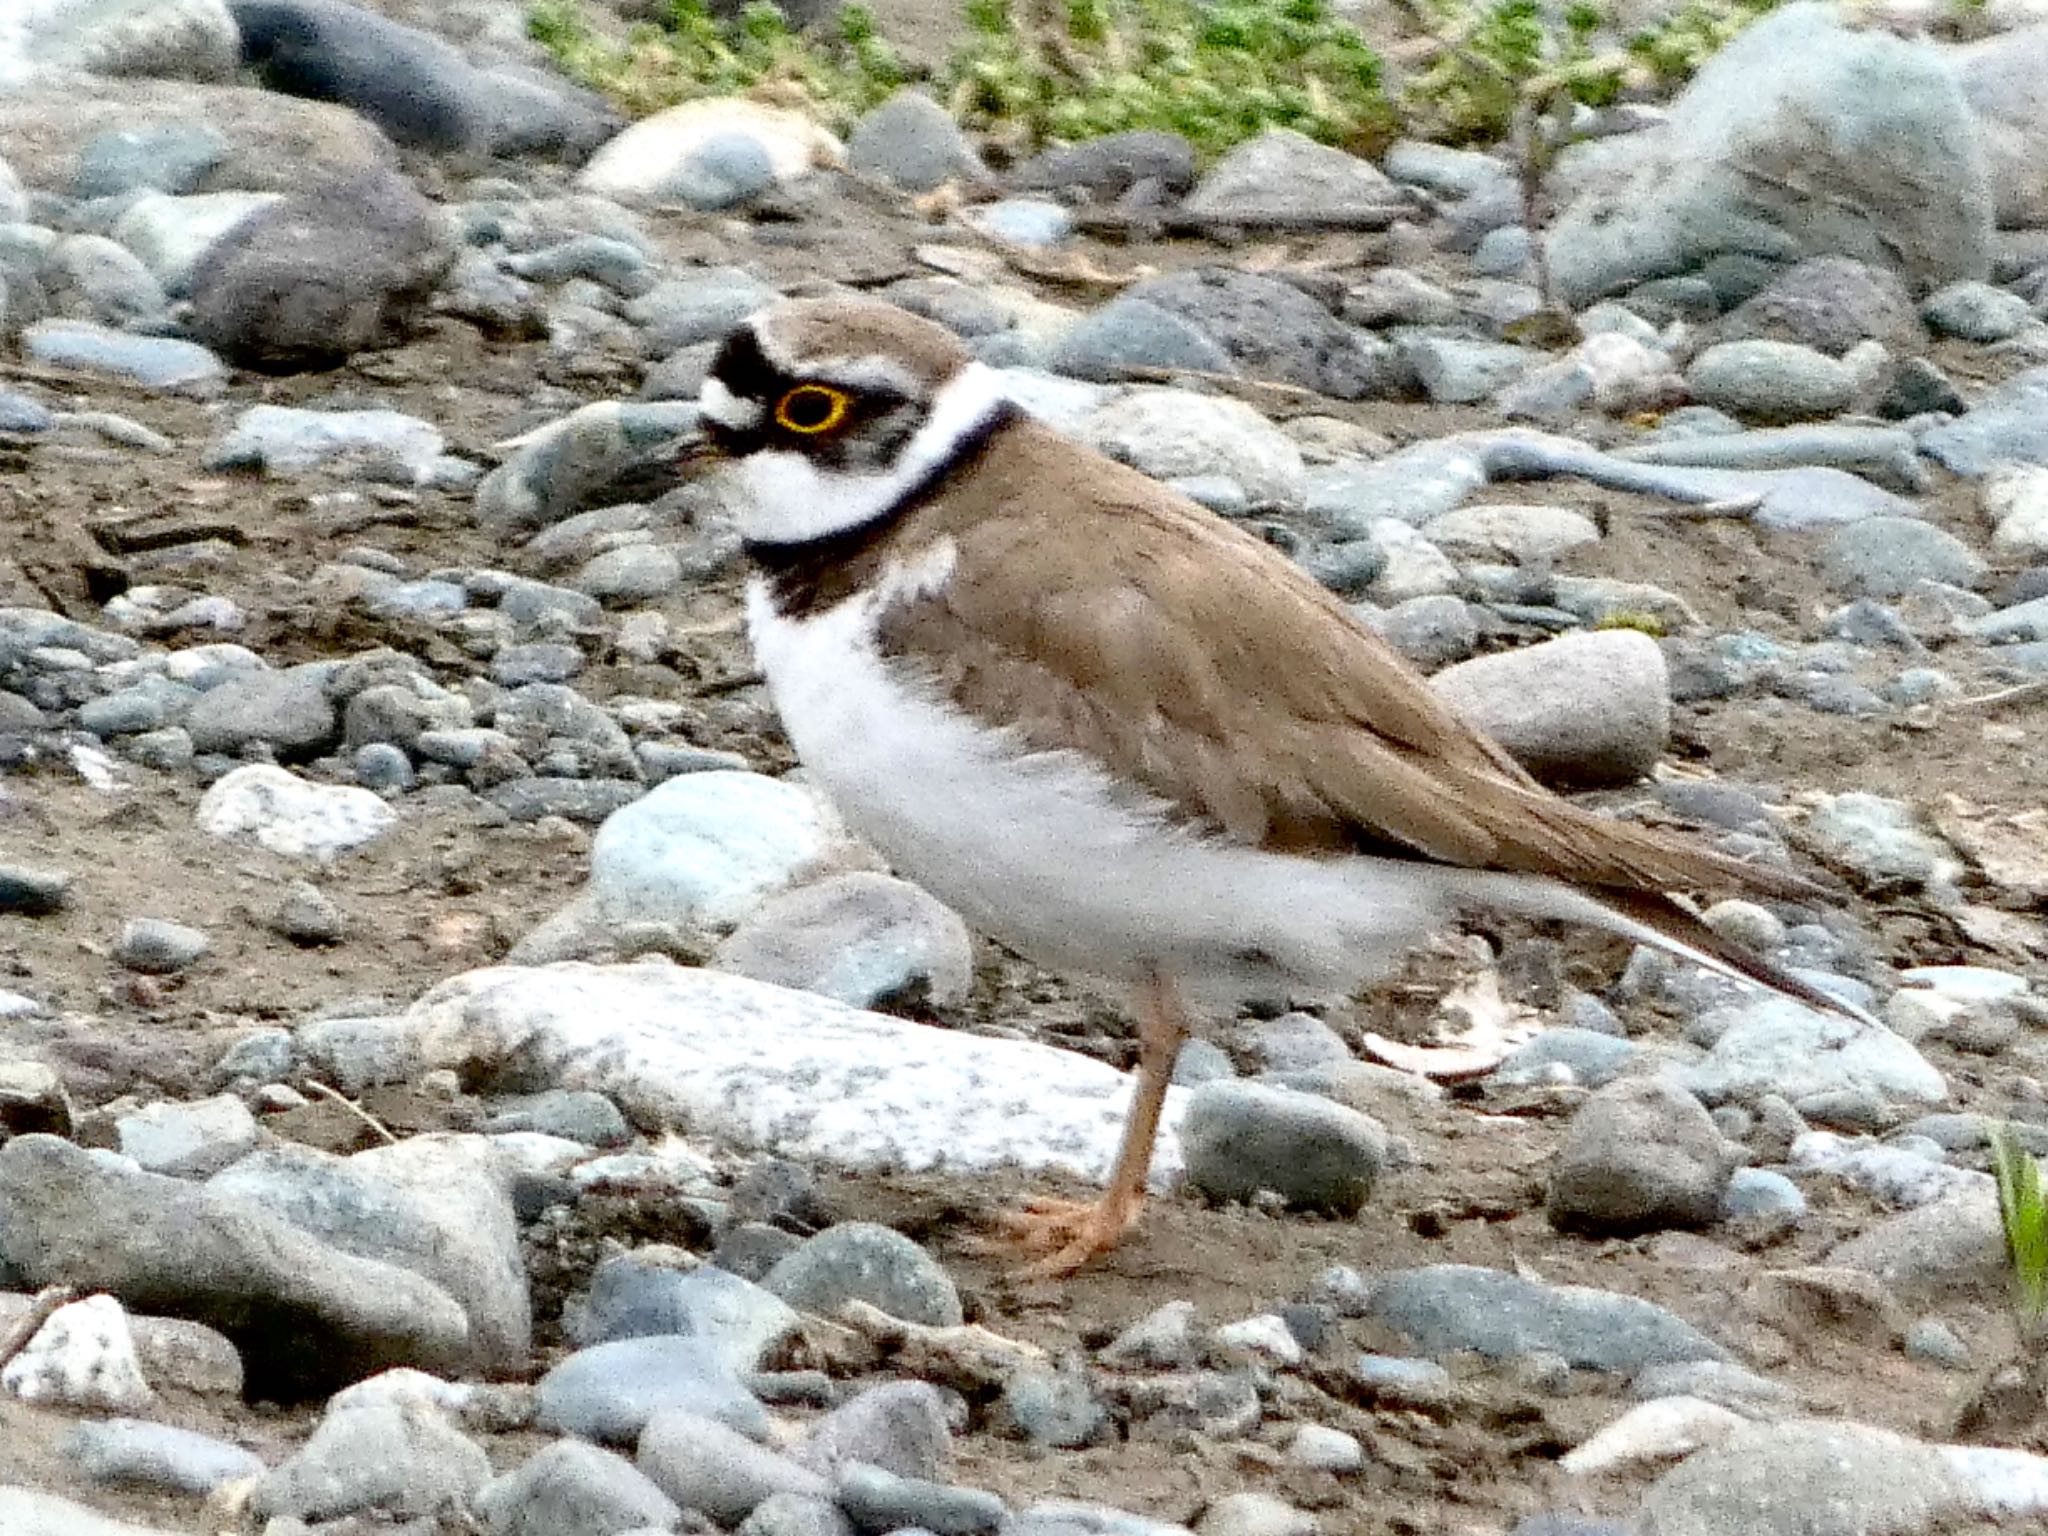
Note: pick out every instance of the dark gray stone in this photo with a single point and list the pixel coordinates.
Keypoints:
(736, 1320)
(1447, 1308)
(1273, 330)
(706, 1466)
(879, 1501)
(393, 1457)
(899, 1426)
(860, 1261)
(912, 142)
(573, 1489)
(1240, 1138)
(1104, 169)
(609, 1392)
(338, 268)
(1638, 1156)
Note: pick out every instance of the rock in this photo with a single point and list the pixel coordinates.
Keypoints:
(1774, 1045)
(1132, 333)
(860, 1261)
(1566, 1054)
(158, 157)
(573, 1489)
(288, 711)
(1241, 1138)
(1456, 370)
(94, 278)
(1879, 843)
(2009, 423)
(725, 170)
(1053, 1408)
(304, 1315)
(335, 269)
(159, 947)
(1446, 1308)
(1864, 113)
(1891, 556)
(401, 1459)
(736, 1320)
(1828, 303)
(1763, 1201)
(1163, 1338)
(309, 917)
(1322, 1449)
(610, 1392)
(385, 446)
(2001, 79)
(1255, 1514)
(705, 1466)
(899, 1426)
(592, 457)
(31, 892)
(588, 1119)
(434, 1205)
(158, 1457)
(192, 39)
(1770, 381)
(1105, 168)
(1432, 631)
(759, 1066)
(24, 1512)
(864, 939)
(1581, 709)
(1174, 434)
(659, 156)
(1282, 175)
(1976, 311)
(1390, 1381)
(409, 83)
(1952, 1248)
(792, 1514)
(1527, 535)
(290, 816)
(879, 1501)
(912, 142)
(1932, 1342)
(1272, 329)
(1639, 1156)
(188, 1140)
(149, 362)
(1802, 1478)
(2015, 502)
(82, 1357)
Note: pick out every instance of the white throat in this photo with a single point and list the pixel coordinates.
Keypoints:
(790, 499)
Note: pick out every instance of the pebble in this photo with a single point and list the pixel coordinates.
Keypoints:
(26, 891)
(1322, 1449)
(1933, 1342)
(1058, 1409)
(1880, 843)
(573, 1489)
(878, 1501)
(1563, 1053)
(82, 1357)
(1639, 1155)
(1241, 1138)
(1255, 1514)
(401, 1459)
(704, 1465)
(1163, 1338)
(861, 1261)
(611, 1392)
(159, 1457)
(1583, 709)
(308, 916)
(1446, 1308)
(376, 445)
(1281, 173)
(899, 1426)
(1394, 1381)
(1890, 556)
(189, 1140)
(1770, 381)
(1174, 434)
(794, 1514)
(864, 939)
(1128, 333)
(159, 947)
(149, 362)
(737, 1321)
(1974, 311)
(912, 142)
(1801, 1478)
(1763, 1200)
(292, 816)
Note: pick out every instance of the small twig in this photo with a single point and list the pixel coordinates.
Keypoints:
(2019, 693)
(47, 1302)
(1146, 374)
(336, 1096)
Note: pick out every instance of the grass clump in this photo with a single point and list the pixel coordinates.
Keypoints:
(2023, 1210)
(1217, 73)
(841, 71)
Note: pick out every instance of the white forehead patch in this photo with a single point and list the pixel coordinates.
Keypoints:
(727, 408)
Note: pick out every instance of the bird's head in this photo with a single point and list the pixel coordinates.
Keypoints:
(837, 411)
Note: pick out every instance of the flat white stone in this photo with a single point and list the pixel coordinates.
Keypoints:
(277, 810)
(763, 1067)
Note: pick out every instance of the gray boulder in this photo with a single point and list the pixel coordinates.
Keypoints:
(1803, 137)
(1583, 709)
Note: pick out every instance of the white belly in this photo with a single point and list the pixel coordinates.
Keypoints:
(1046, 853)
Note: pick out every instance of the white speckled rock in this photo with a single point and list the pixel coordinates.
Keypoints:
(266, 805)
(83, 1357)
(761, 1066)
(1173, 434)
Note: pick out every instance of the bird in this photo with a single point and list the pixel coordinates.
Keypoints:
(1118, 734)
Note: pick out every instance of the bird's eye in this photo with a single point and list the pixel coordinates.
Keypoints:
(812, 408)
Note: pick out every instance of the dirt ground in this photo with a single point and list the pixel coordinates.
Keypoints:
(449, 894)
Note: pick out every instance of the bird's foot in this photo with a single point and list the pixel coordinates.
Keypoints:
(1065, 1235)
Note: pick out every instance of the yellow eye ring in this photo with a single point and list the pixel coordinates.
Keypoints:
(811, 409)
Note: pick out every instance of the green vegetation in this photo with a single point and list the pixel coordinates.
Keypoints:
(1218, 71)
(2024, 1211)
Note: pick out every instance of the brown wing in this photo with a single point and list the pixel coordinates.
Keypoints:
(1114, 619)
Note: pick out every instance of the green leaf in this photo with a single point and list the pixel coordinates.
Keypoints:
(2024, 1212)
